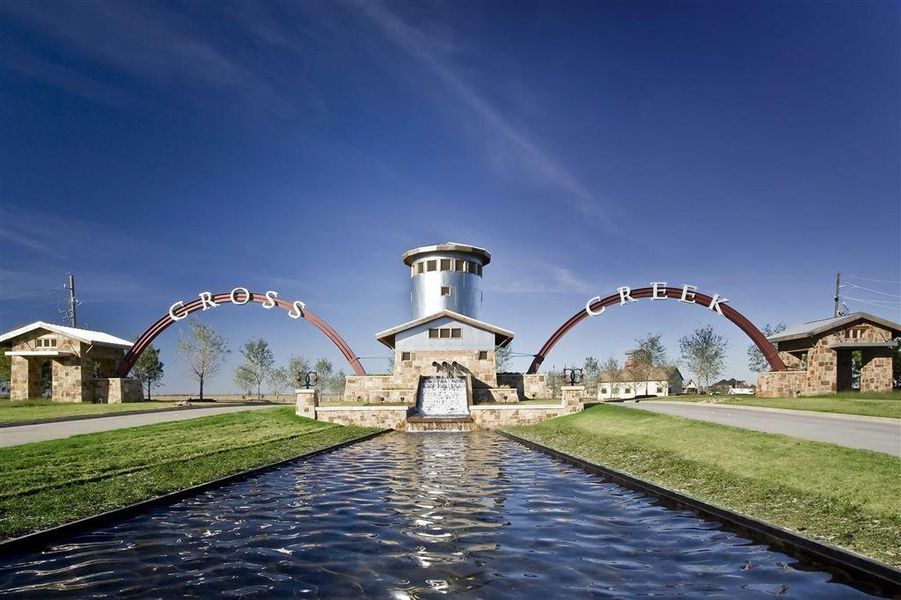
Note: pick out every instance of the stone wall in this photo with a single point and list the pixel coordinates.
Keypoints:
(781, 384)
(116, 390)
(383, 417)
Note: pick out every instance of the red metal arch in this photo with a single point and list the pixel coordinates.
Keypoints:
(769, 351)
(226, 298)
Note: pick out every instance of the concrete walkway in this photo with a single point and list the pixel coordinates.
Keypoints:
(853, 431)
(26, 434)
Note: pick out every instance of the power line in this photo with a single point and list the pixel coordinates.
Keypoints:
(874, 300)
(860, 287)
(873, 280)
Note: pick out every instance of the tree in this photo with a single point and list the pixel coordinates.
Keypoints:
(245, 379)
(591, 371)
(554, 381)
(148, 369)
(648, 356)
(704, 352)
(337, 382)
(502, 357)
(612, 373)
(280, 380)
(203, 351)
(756, 361)
(5, 367)
(324, 369)
(298, 366)
(258, 361)
(896, 363)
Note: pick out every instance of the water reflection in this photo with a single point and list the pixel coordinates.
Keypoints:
(410, 516)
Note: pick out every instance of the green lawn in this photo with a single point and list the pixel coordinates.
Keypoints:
(871, 405)
(34, 410)
(50, 483)
(847, 497)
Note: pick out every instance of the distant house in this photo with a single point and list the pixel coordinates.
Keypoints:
(660, 382)
(725, 386)
(690, 387)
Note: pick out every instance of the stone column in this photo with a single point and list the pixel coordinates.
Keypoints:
(876, 370)
(307, 401)
(572, 398)
(20, 379)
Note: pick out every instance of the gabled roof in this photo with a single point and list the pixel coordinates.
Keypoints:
(97, 338)
(501, 336)
(815, 328)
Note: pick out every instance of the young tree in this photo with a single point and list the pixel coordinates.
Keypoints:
(648, 356)
(203, 351)
(148, 369)
(324, 369)
(554, 381)
(245, 379)
(337, 382)
(298, 366)
(704, 352)
(612, 373)
(756, 361)
(502, 357)
(258, 361)
(591, 371)
(280, 380)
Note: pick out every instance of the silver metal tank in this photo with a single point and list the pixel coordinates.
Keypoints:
(446, 277)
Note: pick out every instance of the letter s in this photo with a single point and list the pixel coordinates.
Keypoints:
(270, 299)
(296, 311)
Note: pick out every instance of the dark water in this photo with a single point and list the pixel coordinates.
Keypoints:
(416, 515)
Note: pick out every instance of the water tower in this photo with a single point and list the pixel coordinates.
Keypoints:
(446, 277)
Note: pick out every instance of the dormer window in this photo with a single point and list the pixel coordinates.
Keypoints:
(45, 343)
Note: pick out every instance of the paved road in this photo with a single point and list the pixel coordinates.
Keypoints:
(869, 433)
(26, 434)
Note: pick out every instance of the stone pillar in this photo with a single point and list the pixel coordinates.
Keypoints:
(307, 401)
(876, 370)
(572, 398)
(20, 378)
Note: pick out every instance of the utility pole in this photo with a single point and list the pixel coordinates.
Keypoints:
(73, 303)
(838, 299)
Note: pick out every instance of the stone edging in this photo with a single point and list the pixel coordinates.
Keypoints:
(514, 406)
(34, 541)
(783, 411)
(126, 413)
(327, 409)
(872, 575)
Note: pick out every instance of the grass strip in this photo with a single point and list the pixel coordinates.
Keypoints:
(23, 411)
(885, 405)
(842, 496)
(103, 471)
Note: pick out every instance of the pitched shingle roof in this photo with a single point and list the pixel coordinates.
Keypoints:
(97, 338)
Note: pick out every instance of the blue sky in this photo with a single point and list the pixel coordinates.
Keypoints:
(157, 150)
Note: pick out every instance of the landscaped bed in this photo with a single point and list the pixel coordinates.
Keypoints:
(846, 497)
(51, 483)
(871, 405)
(22, 411)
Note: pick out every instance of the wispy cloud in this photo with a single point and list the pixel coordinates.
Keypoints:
(144, 42)
(432, 55)
(539, 278)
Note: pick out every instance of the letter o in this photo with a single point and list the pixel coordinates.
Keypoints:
(234, 295)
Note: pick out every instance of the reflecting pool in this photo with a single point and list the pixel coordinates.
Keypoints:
(417, 515)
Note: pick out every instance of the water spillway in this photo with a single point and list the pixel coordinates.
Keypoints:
(442, 397)
(458, 515)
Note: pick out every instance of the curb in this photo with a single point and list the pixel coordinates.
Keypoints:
(865, 573)
(33, 542)
(782, 411)
(126, 413)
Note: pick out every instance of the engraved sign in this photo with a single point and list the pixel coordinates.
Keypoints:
(442, 396)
